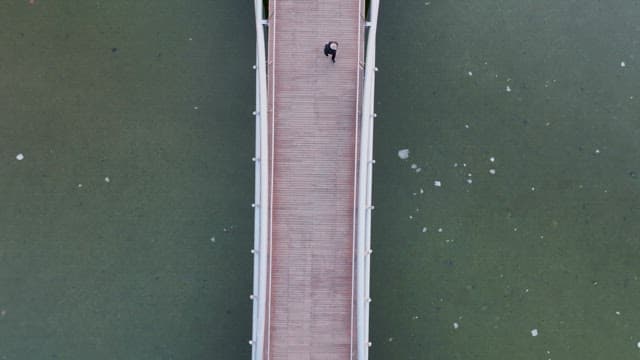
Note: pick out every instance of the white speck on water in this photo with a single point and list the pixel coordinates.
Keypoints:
(3, 312)
(456, 325)
(526, 290)
(533, 188)
(508, 88)
(190, 39)
(515, 229)
(410, 217)
(466, 126)
(470, 73)
(534, 332)
(79, 185)
(416, 317)
(623, 64)
(597, 151)
(469, 181)
(492, 171)
(455, 165)
(618, 313)
(414, 166)
(464, 164)
(492, 159)
(107, 180)
(213, 239)
(403, 154)
(421, 191)
(638, 344)
(390, 339)
(418, 170)
(428, 3)
(424, 229)
(20, 156)
(437, 183)
(195, 108)
(439, 229)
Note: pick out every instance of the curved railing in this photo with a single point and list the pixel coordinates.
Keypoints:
(261, 208)
(365, 177)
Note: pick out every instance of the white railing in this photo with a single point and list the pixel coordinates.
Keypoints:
(365, 177)
(261, 208)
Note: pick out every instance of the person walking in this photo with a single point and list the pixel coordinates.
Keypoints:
(331, 48)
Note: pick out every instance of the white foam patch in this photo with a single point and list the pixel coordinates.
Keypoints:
(20, 156)
(403, 154)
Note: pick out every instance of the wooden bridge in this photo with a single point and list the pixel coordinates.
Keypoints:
(314, 122)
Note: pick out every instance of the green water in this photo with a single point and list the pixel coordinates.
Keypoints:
(157, 97)
(550, 242)
(126, 269)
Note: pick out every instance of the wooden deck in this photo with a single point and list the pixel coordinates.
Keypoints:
(314, 119)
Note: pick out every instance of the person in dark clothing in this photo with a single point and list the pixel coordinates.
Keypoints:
(331, 48)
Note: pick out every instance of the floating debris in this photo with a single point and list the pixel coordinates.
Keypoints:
(213, 239)
(533, 188)
(623, 64)
(534, 332)
(456, 325)
(470, 73)
(418, 170)
(469, 181)
(403, 154)
(437, 183)
(195, 108)
(638, 345)
(107, 180)
(424, 229)
(508, 88)
(20, 156)
(466, 126)
(597, 151)
(492, 171)
(421, 191)
(492, 159)
(439, 229)
(414, 166)
(79, 185)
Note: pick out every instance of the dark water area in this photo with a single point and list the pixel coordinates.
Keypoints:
(526, 114)
(127, 225)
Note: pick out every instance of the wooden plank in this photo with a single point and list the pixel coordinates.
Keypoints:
(314, 128)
